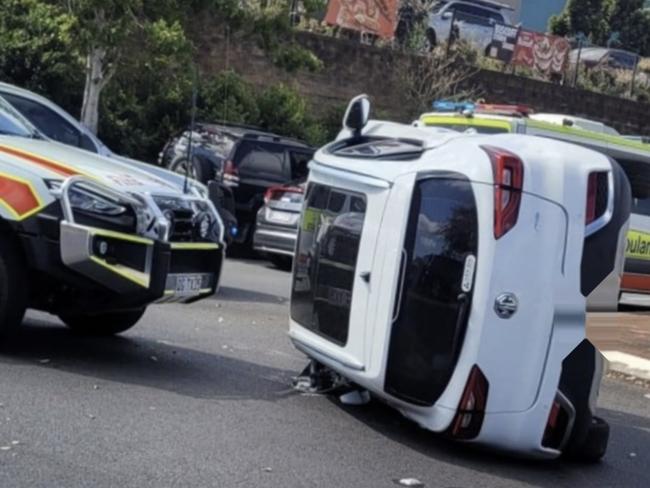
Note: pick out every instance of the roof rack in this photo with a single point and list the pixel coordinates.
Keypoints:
(245, 131)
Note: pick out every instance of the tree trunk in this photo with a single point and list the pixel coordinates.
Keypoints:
(95, 82)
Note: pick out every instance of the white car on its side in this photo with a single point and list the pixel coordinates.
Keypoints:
(447, 274)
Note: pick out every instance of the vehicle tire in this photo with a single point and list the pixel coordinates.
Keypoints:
(595, 444)
(104, 324)
(281, 262)
(200, 169)
(13, 286)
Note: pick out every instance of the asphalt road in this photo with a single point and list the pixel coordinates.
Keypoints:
(199, 396)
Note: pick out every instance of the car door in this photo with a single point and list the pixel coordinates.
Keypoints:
(476, 24)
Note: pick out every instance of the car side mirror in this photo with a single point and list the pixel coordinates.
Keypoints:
(447, 15)
(357, 114)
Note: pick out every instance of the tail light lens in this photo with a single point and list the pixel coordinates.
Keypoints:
(471, 410)
(230, 173)
(508, 172)
(276, 192)
(556, 426)
(597, 196)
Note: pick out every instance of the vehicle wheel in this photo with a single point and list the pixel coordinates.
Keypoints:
(595, 444)
(281, 262)
(199, 169)
(105, 324)
(13, 286)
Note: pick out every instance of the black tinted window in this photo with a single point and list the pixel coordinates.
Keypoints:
(47, 121)
(299, 164)
(477, 15)
(262, 160)
(641, 206)
(326, 261)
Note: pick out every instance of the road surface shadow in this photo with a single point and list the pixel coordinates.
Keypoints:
(626, 429)
(233, 294)
(145, 362)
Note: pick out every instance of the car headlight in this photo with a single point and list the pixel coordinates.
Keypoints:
(89, 201)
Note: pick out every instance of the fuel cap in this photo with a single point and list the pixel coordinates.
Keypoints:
(506, 305)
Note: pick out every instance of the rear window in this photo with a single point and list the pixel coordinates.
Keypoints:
(326, 260)
(262, 160)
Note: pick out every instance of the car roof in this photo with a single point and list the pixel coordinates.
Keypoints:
(483, 3)
(241, 132)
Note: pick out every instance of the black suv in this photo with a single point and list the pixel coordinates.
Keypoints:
(245, 159)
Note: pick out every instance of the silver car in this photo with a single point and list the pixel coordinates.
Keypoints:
(276, 228)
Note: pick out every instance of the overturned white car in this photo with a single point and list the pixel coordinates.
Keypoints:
(446, 274)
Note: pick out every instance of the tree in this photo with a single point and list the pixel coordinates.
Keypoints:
(614, 23)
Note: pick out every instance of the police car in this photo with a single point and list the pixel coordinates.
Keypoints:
(96, 240)
(414, 281)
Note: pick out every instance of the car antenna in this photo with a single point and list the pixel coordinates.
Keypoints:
(189, 140)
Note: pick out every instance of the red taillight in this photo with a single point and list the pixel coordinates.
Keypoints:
(276, 192)
(230, 173)
(597, 195)
(556, 426)
(508, 172)
(471, 410)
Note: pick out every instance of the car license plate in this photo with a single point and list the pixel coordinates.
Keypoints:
(282, 217)
(188, 284)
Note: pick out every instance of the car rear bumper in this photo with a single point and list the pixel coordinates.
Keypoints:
(275, 239)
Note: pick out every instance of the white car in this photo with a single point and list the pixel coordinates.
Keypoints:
(446, 274)
(473, 19)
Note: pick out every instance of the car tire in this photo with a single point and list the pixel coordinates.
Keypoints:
(281, 262)
(13, 286)
(594, 446)
(201, 170)
(104, 324)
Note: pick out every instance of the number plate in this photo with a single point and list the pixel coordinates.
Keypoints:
(283, 217)
(188, 284)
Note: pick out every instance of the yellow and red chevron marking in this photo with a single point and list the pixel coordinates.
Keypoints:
(50, 164)
(18, 196)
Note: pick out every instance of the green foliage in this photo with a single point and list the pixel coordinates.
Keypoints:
(37, 50)
(615, 23)
(227, 97)
(292, 58)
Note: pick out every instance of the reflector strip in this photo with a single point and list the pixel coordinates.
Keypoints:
(18, 197)
(49, 164)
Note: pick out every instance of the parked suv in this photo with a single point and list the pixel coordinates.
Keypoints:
(473, 20)
(247, 160)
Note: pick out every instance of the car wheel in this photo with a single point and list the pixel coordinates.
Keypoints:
(281, 262)
(594, 446)
(199, 169)
(104, 324)
(13, 286)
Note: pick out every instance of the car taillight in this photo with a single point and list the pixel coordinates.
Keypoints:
(277, 192)
(556, 425)
(508, 171)
(230, 173)
(471, 410)
(597, 196)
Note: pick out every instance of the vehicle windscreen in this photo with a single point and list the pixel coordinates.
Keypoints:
(432, 306)
(326, 260)
(12, 123)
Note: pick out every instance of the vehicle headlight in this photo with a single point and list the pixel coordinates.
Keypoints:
(89, 201)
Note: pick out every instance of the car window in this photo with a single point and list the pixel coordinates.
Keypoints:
(641, 206)
(262, 160)
(476, 14)
(299, 164)
(46, 120)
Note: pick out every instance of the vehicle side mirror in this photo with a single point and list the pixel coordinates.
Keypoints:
(447, 15)
(357, 114)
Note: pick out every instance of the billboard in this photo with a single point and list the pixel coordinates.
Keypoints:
(542, 52)
(377, 17)
(504, 40)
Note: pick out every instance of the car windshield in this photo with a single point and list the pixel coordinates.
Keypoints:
(14, 124)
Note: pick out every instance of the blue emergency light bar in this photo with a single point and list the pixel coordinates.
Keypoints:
(448, 106)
